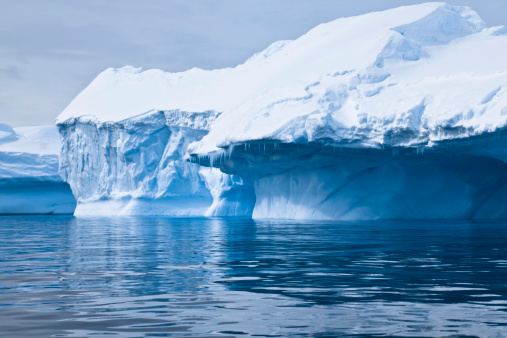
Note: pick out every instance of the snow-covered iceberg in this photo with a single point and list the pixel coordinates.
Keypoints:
(394, 114)
(29, 179)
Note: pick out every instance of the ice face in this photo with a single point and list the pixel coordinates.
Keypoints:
(137, 167)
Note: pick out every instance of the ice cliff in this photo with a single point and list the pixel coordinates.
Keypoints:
(394, 114)
(29, 179)
(136, 167)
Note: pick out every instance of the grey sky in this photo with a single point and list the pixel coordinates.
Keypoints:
(50, 50)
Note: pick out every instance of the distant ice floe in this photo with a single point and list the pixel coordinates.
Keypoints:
(29, 178)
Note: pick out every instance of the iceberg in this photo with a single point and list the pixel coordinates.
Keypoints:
(29, 178)
(393, 114)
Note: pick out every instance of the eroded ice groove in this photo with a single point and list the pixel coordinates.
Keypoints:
(29, 179)
(137, 167)
(462, 179)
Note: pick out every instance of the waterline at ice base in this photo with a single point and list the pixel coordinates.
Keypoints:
(393, 114)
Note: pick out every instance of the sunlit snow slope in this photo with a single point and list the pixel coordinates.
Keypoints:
(29, 179)
(394, 114)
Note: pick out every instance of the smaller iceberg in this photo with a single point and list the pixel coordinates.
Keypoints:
(29, 179)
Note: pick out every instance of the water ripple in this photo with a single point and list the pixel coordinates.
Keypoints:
(140, 277)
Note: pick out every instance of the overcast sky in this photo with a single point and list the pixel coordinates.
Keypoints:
(51, 50)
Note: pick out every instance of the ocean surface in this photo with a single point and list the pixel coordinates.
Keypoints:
(166, 277)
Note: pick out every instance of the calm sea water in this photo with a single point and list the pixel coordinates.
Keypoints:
(166, 277)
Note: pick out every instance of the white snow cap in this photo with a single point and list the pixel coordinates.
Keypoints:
(409, 75)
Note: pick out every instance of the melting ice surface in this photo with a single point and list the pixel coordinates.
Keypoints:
(134, 277)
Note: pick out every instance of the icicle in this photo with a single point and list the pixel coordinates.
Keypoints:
(230, 149)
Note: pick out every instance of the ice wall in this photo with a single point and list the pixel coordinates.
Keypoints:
(29, 179)
(136, 167)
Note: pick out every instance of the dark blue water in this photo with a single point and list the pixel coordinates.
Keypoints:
(162, 277)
